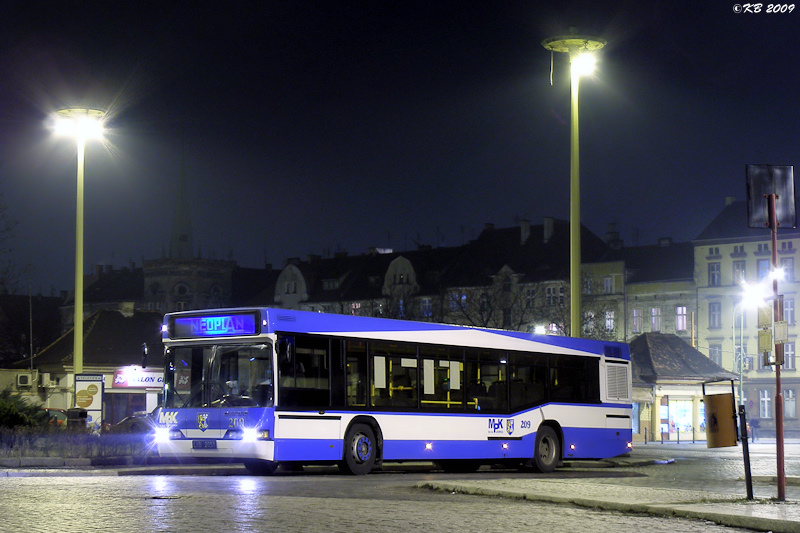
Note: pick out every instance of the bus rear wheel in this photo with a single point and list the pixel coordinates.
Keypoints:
(259, 467)
(360, 450)
(546, 450)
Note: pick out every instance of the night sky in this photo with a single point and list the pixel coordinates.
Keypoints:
(318, 127)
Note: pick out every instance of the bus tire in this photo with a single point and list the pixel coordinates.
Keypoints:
(360, 450)
(259, 467)
(546, 453)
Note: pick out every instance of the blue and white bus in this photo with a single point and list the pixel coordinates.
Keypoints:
(274, 386)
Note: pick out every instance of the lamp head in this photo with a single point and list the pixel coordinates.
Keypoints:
(79, 123)
(583, 64)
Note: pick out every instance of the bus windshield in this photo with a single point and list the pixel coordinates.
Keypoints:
(219, 376)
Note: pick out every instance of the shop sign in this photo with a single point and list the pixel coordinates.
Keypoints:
(135, 377)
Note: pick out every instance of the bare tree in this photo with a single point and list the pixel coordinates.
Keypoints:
(9, 272)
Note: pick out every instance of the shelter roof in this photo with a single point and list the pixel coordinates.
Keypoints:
(666, 357)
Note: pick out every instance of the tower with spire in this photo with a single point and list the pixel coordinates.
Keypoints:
(182, 280)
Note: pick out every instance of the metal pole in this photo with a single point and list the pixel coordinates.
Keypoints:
(741, 352)
(78, 297)
(778, 315)
(574, 213)
(746, 451)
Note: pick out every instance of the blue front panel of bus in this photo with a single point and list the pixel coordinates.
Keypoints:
(205, 423)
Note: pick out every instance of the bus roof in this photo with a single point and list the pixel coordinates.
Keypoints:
(273, 320)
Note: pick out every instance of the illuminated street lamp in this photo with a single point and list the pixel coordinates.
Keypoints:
(582, 60)
(83, 125)
(752, 297)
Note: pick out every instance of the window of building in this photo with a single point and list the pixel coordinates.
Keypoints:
(330, 284)
(764, 403)
(763, 248)
(738, 249)
(715, 353)
(355, 308)
(714, 315)
(609, 321)
(588, 322)
(181, 289)
(713, 250)
(788, 310)
(763, 268)
(739, 274)
(787, 265)
(680, 318)
(588, 286)
(789, 403)
(637, 320)
(788, 356)
(714, 278)
(290, 287)
(458, 301)
(655, 319)
(530, 298)
(554, 295)
(786, 246)
(608, 285)
(427, 307)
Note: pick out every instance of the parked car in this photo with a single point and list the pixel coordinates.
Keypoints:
(139, 423)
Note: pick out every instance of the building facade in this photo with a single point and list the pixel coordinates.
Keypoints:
(729, 257)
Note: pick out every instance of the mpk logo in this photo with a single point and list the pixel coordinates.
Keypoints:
(168, 418)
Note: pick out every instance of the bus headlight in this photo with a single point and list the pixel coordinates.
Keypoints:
(249, 434)
(161, 435)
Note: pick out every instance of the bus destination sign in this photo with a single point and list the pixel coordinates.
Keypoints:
(217, 325)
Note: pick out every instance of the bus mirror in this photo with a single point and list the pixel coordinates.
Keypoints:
(144, 355)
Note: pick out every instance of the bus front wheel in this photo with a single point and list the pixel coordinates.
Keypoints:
(546, 450)
(359, 450)
(258, 467)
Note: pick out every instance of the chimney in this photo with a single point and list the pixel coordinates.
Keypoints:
(612, 237)
(524, 230)
(548, 230)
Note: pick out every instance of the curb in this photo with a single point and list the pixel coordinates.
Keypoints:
(703, 509)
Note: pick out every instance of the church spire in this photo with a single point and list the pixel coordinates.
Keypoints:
(181, 245)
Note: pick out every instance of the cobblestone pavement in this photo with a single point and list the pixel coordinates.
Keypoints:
(663, 481)
(291, 504)
(678, 480)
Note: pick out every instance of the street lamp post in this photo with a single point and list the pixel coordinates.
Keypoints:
(581, 59)
(82, 124)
